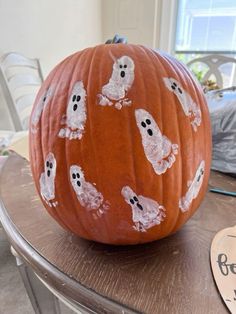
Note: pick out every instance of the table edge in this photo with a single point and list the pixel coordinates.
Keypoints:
(88, 298)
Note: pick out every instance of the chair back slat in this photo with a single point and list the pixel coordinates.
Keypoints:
(20, 78)
(213, 63)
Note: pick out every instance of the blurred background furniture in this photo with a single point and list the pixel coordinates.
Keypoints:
(218, 76)
(213, 68)
(20, 79)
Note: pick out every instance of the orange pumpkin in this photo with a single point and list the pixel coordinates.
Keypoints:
(120, 144)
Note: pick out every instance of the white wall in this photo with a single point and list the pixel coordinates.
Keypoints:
(147, 22)
(131, 18)
(49, 29)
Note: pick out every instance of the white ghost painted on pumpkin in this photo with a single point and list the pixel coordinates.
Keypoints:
(39, 107)
(190, 108)
(76, 113)
(146, 213)
(193, 188)
(158, 149)
(47, 180)
(114, 92)
(86, 193)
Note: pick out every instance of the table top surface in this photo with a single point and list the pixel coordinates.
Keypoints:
(172, 275)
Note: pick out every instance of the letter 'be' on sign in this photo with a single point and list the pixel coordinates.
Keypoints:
(223, 263)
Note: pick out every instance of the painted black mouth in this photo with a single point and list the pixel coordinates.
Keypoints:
(122, 73)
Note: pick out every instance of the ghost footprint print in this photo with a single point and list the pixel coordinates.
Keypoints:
(86, 193)
(146, 213)
(76, 113)
(47, 181)
(114, 92)
(158, 149)
(194, 187)
(190, 108)
(40, 106)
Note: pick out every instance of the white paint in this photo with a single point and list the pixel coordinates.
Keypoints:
(39, 107)
(114, 92)
(158, 149)
(86, 193)
(190, 108)
(193, 188)
(146, 213)
(76, 113)
(47, 181)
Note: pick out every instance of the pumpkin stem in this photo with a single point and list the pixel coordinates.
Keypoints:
(117, 40)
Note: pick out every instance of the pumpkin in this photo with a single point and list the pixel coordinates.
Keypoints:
(120, 144)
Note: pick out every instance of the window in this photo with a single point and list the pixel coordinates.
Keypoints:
(205, 27)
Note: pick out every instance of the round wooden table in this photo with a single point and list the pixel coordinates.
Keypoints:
(172, 275)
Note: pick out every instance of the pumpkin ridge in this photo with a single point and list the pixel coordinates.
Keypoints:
(182, 216)
(163, 176)
(104, 221)
(52, 211)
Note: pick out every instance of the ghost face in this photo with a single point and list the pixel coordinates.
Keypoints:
(198, 179)
(131, 198)
(147, 126)
(77, 178)
(194, 188)
(42, 103)
(47, 180)
(175, 87)
(123, 72)
(76, 109)
(50, 167)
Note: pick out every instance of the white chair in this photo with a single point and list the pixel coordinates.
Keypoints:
(20, 78)
(212, 64)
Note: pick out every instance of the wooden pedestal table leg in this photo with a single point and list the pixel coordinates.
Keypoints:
(42, 300)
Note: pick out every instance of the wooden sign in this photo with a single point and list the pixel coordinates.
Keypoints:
(223, 263)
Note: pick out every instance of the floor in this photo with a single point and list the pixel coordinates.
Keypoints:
(13, 297)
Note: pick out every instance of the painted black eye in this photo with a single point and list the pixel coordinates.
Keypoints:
(121, 66)
(51, 165)
(173, 87)
(78, 98)
(135, 198)
(150, 132)
(75, 107)
(73, 175)
(74, 98)
(47, 164)
(131, 201)
(180, 90)
(143, 124)
(78, 183)
(44, 98)
(125, 66)
(77, 174)
(148, 121)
